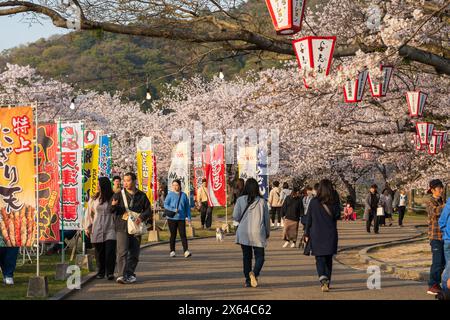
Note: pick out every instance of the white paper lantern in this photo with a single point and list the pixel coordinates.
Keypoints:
(432, 146)
(314, 55)
(377, 88)
(425, 131)
(287, 15)
(416, 102)
(354, 89)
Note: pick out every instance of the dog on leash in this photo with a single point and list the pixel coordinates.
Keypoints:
(220, 234)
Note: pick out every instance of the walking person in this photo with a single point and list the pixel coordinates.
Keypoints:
(238, 190)
(8, 259)
(252, 214)
(275, 203)
(128, 245)
(291, 212)
(285, 192)
(101, 229)
(434, 209)
(307, 196)
(444, 225)
(321, 230)
(402, 202)
(371, 205)
(203, 203)
(386, 203)
(177, 202)
(117, 184)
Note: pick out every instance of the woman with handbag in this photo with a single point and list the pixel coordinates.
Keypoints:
(252, 214)
(291, 212)
(101, 229)
(321, 232)
(177, 210)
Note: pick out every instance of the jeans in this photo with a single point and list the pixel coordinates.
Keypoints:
(247, 252)
(401, 214)
(437, 263)
(324, 266)
(105, 255)
(446, 273)
(276, 212)
(206, 214)
(128, 248)
(181, 226)
(8, 259)
(376, 221)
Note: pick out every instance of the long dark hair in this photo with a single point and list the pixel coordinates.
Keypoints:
(326, 192)
(251, 190)
(105, 193)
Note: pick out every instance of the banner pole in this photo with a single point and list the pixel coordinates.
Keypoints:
(37, 189)
(83, 197)
(61, 189)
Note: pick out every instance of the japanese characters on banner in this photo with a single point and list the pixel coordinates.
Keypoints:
(354, 88)
(154, 182)
(314, 56)
(105, 165)
(90, 164)
(199, 170)
(261, 172)
(215, 172)
(416, 102)
(425, 131)
(377, 88)
(179, 167)
(247, 162)
(287, 15)
(144, 166)
(71, 135)
(17, 177)
(49, 188)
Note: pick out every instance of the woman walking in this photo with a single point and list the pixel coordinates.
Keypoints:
(402, 202)
(321, 230)
(386, 203)
(291, 212)
(177, 202)
(101, 229)
(275, 203)
(252, 214)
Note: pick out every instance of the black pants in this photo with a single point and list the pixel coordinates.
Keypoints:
(376, 222)
(206, 214)
(437, 262)
(276, 212)
(105, 255)
(247, 252)
(179, 225)
(324, 266)
(128, 249)
(401, 215)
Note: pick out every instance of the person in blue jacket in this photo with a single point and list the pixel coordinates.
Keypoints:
(444, 225)
(178, 221)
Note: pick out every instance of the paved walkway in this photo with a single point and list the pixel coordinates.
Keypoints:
(215, 272)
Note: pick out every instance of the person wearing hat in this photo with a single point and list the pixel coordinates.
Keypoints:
(434, 210)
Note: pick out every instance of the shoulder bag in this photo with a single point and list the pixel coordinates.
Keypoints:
(133, 228)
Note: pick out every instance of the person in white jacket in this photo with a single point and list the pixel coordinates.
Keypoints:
(275, 203)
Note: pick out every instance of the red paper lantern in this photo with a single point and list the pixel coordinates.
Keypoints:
(417, 143)
(314, 54)
(379, 89)
(432, 146)
(287, 15)
(425, 131)
(416, 102)
(354, 89)
(440, 138)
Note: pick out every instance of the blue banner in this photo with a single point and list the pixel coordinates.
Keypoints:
(261, 171)
(105, 157)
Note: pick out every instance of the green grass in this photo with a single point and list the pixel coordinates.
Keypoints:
(28, 270)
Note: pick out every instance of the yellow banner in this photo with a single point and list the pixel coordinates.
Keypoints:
(91, 164)
(17, 177)
(144, 173)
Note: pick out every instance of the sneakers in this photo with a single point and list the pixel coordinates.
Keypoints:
(325, 286)
(173, 254)
(286, 244)
(110, 277)
(9, 281)
(253, 280)
(247, 284)
(131, 279)
(272, 224)
(121, 280)
(99, 276)
(187, 254)
(293, 245)
(434, 290)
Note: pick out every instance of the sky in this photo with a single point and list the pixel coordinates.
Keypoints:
(15, 31)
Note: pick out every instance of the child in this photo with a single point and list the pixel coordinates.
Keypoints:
(349, 212)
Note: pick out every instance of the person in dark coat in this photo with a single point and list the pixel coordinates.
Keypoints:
(321, 230)
(291, 212)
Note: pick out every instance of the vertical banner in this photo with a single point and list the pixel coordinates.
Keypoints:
(71, 135)
(144, 167)
(247, 162)
(261, 171)
(49, 189)
(90, 164)
(154, 181)
(199, 171)
(104, 166)
(216, 185)
(179, 167)
(17, 177)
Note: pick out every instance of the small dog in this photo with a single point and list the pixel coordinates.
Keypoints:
(220, 234)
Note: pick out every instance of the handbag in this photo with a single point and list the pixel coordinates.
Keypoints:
(169, 213)
(133, 228)
(380, 212)
(307, 246)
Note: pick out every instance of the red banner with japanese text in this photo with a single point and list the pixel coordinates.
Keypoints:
(215, 156)
(17, 177)
(49, 189)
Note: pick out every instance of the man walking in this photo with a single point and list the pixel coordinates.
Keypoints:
(371, 203)
(205, 209)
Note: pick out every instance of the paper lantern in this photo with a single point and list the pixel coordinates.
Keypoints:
(416, 102)
(440, 139)
(314, 55)
(432, 146)
(354, 89)
(425, 131)
(287, 15)
(379, 89)
(417, 143)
